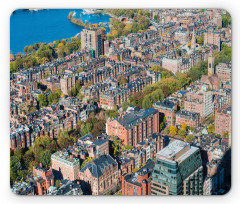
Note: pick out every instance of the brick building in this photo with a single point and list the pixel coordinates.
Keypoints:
(223, 120)
(92, 39)
(224, 71)
(213, 81)
(134, 127)
(100, 175)
(88, 146)
(191, 119)
(138, 183)
(112, 97)
(200, 102)
(65, 165)
(67, 83)
(44, 179)
(168, 110)
(212, 37)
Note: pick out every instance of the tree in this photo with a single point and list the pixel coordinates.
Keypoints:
(173, 130)
(25, 49)
(127, 147)
(86, 129)
(42, 141)
(184, 126)
(190, 138)
(226, 20)
(200, 39)
(211, 129)
(192, 128)
(115, 33)
(99, 128)
(27, 159)
(19, 152)
(53, 147)
(15, 163)
(45, 158)
(88, 159)
(182, 132)
(42, 99)
(60, 52)
(162, 124)
(226, 134)
(121, 80)
(53, 98)
(59, 92)
(30, 48)
(147, 101)
(57, 183)
(167, 130)
(73, 91)
(124, 105)
(115, 146)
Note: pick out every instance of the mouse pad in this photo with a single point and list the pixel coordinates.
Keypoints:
(120, 101)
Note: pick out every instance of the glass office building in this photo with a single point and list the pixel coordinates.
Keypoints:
(178, 170)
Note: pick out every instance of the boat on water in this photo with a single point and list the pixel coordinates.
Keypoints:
(35, 9)
(88, 11)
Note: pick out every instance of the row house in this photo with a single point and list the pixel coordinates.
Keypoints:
(191, 119)
(112, 97)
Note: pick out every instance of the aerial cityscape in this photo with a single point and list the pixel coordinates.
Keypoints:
(120, 101)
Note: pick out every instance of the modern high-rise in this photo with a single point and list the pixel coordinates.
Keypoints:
(92, 39)
(178, 170)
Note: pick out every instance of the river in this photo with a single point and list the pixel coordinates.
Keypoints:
(29, 27)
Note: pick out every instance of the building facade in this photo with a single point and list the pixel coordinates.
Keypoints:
(178, 170)
(134, 127)
(92, 39)
(100, 175)
(66, 165)
(138, 183)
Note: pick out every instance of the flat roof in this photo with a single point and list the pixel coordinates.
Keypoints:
(172, 149)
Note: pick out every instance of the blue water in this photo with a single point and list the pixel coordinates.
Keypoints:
(29, 27)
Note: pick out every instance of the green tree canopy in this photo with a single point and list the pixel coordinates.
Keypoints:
(45, 158)
(190, 138)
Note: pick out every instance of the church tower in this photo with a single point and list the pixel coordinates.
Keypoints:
(193, 41)
(211, 70)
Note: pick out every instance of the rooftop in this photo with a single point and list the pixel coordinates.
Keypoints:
(172, 149)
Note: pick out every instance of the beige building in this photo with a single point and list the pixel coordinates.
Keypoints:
(66, 165)
(67, 83)
(92, 39)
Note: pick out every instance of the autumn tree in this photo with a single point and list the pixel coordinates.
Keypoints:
(226, 134)
(184, 126)
(211, 129)
(167, 130)
(173, 130)
(182, 132)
